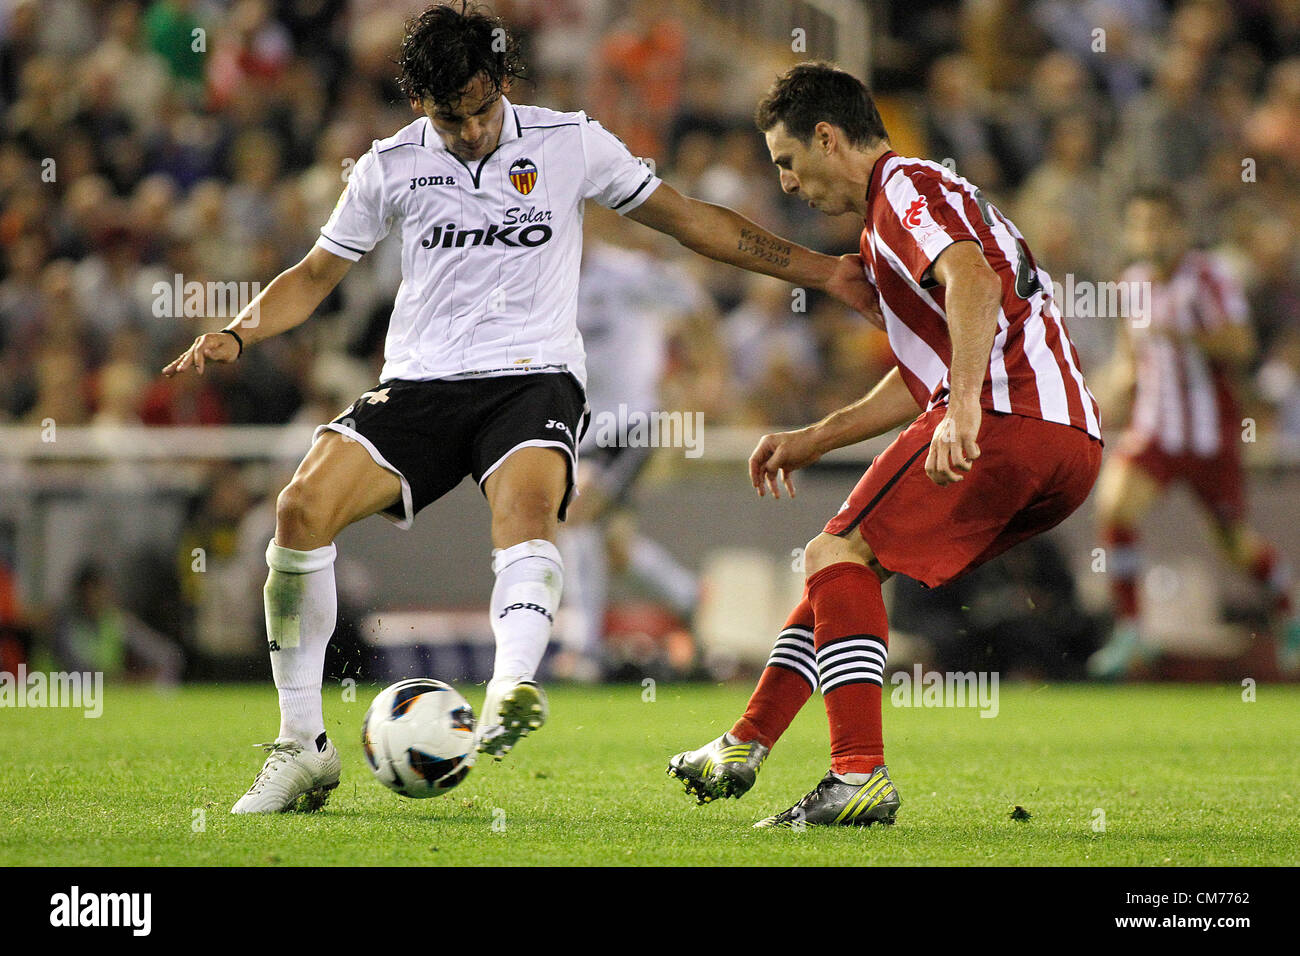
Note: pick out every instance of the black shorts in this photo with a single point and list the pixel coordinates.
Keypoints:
(432, 434)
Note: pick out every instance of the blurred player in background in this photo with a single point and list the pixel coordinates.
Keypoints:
(1181, 363)
(626, 299)
(1007, 444)
(484, 368)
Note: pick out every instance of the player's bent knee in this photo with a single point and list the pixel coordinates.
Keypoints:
(524, 515)
(828, 549)
(300, 521)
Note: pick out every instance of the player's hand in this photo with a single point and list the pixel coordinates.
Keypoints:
(211, 347)
(779, 454)
(953, 449)
(849, 284)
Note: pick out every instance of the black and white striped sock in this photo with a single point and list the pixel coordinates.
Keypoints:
(855, 659)
(794, 651)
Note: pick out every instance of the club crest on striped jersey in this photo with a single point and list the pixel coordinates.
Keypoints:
(523, 175)
(918, 220)
(912, 218)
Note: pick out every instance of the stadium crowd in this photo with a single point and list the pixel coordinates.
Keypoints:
(150, 142)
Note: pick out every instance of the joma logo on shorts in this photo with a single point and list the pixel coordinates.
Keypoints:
(527, 606)
(560, 426)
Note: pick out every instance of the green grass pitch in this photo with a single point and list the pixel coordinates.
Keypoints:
(1184, 776)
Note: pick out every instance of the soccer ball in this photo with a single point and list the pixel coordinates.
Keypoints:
(418, 736)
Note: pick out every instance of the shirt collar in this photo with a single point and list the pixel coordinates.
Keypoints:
(877, 173)
(510, 125)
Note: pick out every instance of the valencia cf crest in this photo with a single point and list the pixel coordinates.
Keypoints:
(523, 175)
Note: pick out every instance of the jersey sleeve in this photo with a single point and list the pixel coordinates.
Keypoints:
(918, 223)
(613, 176)
(360, 218)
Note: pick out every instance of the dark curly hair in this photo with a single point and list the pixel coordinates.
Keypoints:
(812, 92)
(448, 45)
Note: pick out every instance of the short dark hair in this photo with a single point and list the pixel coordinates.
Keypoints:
(1162, 193)
(809, 93)
(448, 45)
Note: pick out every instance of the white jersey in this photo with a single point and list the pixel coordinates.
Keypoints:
(621, 300)
(490, 249)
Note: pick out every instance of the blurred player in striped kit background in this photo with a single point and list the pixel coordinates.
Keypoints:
(1183, 363)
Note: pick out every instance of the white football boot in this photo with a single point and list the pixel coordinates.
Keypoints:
(512, 710)
(294, 778)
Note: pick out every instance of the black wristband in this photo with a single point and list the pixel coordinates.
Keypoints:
(237, 339)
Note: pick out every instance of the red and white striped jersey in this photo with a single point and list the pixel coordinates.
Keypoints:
(915, 210)
(1183, 400)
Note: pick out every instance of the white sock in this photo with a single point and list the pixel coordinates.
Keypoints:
(665, 575)
(583, 548)
(856, 779)
(301, 605)
(530, 577)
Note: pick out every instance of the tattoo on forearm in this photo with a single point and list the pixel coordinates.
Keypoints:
(769, 249)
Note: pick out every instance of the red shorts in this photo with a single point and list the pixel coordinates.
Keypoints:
(1030, 476)
(1217, 481)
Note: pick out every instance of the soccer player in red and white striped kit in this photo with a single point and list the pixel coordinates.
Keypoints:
(1181, 357)
(1006, 444)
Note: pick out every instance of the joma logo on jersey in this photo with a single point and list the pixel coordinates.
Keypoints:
(433, 181)
(445, 237)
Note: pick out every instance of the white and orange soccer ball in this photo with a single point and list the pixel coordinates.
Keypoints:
(418, 736)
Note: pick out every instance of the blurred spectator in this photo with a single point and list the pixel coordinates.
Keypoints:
(764, 330)
(1164, 133)
(95, 633)
(638, 83)
(217, 568)
(1115, 38)
(1274, 126)
(961, 124)
(170, 29)
(1060, 204)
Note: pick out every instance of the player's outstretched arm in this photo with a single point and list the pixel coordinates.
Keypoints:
(284, 304)
(727, 236)
(885, 407)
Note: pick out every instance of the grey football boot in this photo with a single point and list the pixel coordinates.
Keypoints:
(836, 803)
(722, 768)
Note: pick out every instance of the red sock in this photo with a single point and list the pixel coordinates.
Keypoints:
(1122, 566)
(788, 681)
(852, 639)
(1274, 575)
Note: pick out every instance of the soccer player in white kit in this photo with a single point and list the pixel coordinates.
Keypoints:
(484, 368)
